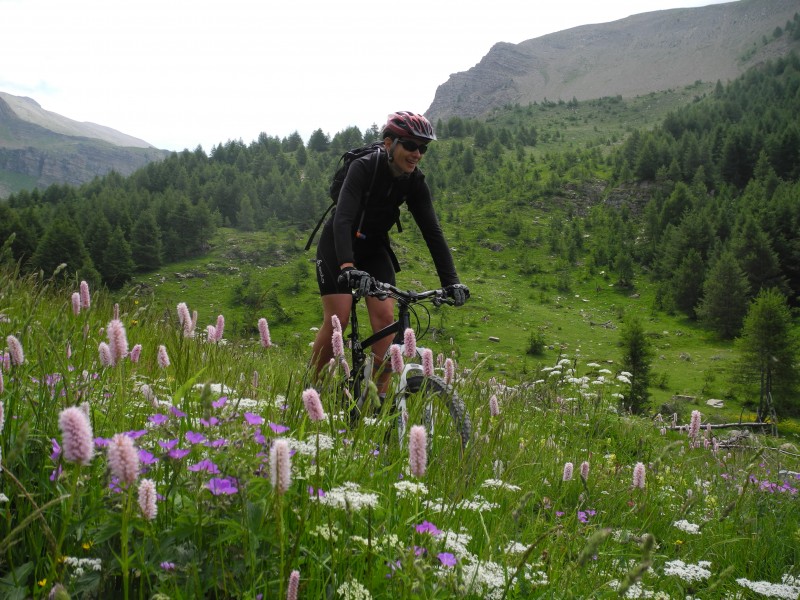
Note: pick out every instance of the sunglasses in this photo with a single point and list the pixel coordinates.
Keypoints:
(413, 146)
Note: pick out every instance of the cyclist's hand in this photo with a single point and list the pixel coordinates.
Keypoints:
(458, 292)
(355, 280)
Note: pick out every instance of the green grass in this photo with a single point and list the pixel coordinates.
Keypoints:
(507, 521)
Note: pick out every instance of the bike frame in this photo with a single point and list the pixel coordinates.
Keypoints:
(363, 361)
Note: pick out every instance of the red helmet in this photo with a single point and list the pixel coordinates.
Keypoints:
(408, 124)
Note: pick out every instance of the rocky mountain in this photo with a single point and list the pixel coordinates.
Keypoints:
(39, 148)
(643, 53)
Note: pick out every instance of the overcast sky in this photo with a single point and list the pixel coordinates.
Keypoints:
(178, 73)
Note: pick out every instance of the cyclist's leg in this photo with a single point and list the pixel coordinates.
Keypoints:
(322, 350)
(381, 314)
(335, 300)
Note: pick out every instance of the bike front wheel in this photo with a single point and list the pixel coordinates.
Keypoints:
(437, 395)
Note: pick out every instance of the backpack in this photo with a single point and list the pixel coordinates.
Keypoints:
(374, 150)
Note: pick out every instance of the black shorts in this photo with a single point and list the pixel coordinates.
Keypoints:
(374, 258)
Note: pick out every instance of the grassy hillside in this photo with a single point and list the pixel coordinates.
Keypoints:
(179, 468)
(506, 304)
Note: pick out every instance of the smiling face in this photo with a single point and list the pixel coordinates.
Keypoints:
(404, 161)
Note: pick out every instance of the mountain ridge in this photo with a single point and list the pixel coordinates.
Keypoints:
(39, 148)
(639, 54)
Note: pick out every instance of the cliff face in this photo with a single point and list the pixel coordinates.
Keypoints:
(39, 148)
(634, 56)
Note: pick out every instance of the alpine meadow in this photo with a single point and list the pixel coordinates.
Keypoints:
(628, 361)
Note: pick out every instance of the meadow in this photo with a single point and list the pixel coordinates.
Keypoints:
(146, 455)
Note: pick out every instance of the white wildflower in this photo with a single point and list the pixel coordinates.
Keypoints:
(789, 588)
(353, 590)
(687, 527)
(497, 483)
(689, 573)
(349, 496)
(410, 489)
(515, 548)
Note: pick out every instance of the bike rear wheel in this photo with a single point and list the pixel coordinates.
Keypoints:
(439, 394)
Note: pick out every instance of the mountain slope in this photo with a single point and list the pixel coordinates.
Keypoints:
(39, 148)
(634, 56)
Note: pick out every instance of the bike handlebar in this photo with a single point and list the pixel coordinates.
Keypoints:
(383, 290)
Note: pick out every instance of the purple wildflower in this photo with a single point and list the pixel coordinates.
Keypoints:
(194, 437)
(219, 485)
(428, 527)
(253, 419)
(447, 559)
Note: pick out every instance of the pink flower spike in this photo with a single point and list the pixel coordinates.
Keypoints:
(280, 466)
(313, 405)
(449, 371)
(76, 303)
(183, 314)
(418, 451)
(409, 343)
(427, 362)
(294, 584)
(136, 352)
(76, 434)
(219, 329)
(117, 340)
(147, 499)
(263, 332)
(163, 357)
(123, 459)
(2, 388)
(86, 299)
(567, 471)
(694, 424)
(397, 358)
(584, 471)
(638, 476)
(494, 407)
(15, 350)
(336, 323)
(338, 344)
(106, 356)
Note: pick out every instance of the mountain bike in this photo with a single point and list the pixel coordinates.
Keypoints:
(412, 383)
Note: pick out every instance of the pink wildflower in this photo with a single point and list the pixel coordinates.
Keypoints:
(106, 357)
(123, 459)
(638, 476)
(336, 323)
(147, 499)
(280, 466)
(6, 361)
(2, 413)
(15, 350)
(345, 368)
(313, 405)
(397, 358)
(584, 471)
(86, 299)
(76, 434)
(185, 319)
(338, 343)
(409, 343)
(136, 352)
(163, 357)
(211, 333)
(427, 362)
(567, 471)
(694, 424)
(2, 388)
(219, 329)
(76, 303)
(148, 394)
(494, 407)
(263, 331)
(294, 583)
(449, 371)
(117, 340)
(116, 310)
(418, 451)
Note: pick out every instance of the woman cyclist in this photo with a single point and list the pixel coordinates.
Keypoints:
(354, 245)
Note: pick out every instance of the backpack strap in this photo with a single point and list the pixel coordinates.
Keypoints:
(365, 198)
